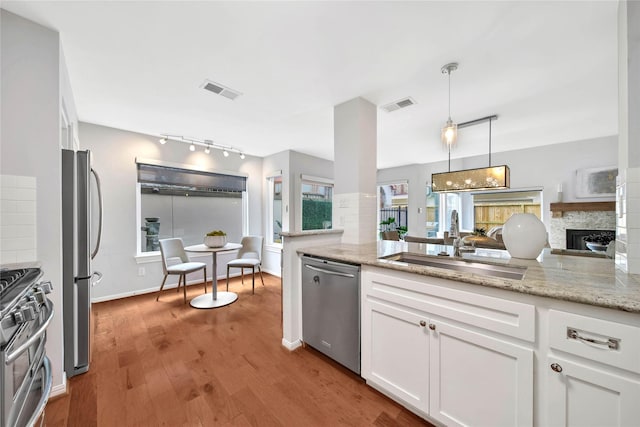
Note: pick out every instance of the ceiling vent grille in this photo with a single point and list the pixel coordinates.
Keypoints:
(403, 103)
(221, 90)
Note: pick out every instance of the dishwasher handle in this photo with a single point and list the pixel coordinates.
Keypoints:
(334, 273)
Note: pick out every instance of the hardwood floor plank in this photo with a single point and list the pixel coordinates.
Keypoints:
(167, 364)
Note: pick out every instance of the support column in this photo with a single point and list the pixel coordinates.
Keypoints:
(354, 173)
(628, 188)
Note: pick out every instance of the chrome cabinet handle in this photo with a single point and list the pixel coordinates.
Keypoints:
(423, 323)
(555, 367)
(612, 343)
(432, 326)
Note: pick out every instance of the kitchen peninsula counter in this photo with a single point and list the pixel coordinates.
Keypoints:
(585, 280)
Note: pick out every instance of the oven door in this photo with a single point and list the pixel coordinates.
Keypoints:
(25, 370)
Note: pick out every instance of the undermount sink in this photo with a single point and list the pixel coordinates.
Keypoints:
(506, 271)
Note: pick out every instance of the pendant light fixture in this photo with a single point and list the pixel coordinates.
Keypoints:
(489, 178)
(449, 133)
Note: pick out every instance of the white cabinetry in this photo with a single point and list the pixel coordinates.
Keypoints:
(592, 373)
(425, 345)
(476, 379)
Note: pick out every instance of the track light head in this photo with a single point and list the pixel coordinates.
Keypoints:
(207, 150)
(225, 153)
(163, 140)
(192, 147)
(242, 156)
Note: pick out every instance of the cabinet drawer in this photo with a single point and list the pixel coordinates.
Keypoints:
(432, 295)
(607, 342)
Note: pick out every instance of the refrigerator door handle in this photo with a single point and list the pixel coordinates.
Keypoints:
(98, 275)
(99, 238)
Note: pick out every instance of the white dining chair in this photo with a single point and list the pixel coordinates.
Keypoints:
(249, 256)
(174, 248)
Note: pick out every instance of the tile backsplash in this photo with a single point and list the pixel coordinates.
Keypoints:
(17, 219)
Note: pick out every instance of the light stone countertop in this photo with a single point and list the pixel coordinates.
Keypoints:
(585, 280)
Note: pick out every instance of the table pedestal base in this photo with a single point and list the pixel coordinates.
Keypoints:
(207, 301)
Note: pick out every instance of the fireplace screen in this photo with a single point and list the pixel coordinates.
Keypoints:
(575, 237)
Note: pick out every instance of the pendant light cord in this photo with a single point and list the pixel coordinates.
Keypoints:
(449, 73)
(489, 142)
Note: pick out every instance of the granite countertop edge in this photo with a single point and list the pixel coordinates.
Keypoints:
(562, 277)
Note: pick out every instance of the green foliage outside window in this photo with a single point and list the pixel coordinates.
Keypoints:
(316, 214)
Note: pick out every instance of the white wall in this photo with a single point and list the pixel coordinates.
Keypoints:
(115, 152)
(30, 146)
(545, 166)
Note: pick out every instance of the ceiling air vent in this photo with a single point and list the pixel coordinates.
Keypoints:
(219, 89)
(403, 103)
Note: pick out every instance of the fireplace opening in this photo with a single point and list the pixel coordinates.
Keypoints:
(575, 241)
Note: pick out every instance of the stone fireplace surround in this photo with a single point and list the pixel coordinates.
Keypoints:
(599, 216)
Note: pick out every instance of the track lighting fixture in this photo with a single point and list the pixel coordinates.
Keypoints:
(206, 143)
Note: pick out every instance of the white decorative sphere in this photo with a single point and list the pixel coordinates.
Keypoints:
(524, 236)
(215, 241)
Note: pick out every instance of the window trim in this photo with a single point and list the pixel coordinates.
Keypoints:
(310, 179)
(270, 178)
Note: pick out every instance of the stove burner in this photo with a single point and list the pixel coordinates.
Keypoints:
(14, 284)
(9, 277)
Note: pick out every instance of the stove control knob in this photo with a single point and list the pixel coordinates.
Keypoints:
(47, 287)
(28, 312)
(34, 305)
(18, 317)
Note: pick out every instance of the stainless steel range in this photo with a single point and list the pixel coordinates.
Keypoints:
(25, 371)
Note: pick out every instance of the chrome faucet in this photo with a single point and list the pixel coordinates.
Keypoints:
(457, 242)
(454, 232)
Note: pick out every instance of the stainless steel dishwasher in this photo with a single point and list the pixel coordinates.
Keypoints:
(331, 309)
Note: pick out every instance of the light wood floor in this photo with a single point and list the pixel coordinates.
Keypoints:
(165, 363)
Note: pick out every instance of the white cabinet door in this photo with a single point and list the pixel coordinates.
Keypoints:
(582, 395)
(395, 353)
(478, 380)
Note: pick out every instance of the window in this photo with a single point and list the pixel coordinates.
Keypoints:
(448, 203)
(317, 196)
(432, 213)
(393, 200)
(185, 203)
(494, 209)
(275, 210)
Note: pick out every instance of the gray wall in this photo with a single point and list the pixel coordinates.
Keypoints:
(545, 166)
(30, 146)
(115, 152)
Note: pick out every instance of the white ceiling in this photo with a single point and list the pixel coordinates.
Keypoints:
(547, 69)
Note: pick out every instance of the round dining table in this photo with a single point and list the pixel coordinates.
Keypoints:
(215, 299)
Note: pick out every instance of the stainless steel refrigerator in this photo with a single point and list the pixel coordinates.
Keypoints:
(81, 234)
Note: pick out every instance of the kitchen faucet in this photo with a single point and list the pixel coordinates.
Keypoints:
(454, 232)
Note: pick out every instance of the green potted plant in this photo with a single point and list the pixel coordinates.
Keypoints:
(215, 239)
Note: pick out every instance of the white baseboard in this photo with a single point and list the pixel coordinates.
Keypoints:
(59, 389)
(291, 345)
(155, 289)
